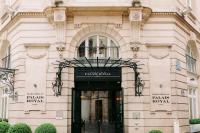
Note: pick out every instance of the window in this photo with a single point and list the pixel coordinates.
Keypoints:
(190, 59)
(3, 104)
(189, 3)
(192, 94)
(98, 46)
(6, 59)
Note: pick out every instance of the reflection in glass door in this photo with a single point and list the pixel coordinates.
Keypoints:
(101, 111)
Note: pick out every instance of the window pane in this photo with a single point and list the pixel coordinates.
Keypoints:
(98, 46)
(1, 103)
(192, 102)
(81, 50)
(191, 64)
(113, 50)
(191, 116)
(92, 42)
(5, 108)
(194, 107)
(6, 59)
(102, 46)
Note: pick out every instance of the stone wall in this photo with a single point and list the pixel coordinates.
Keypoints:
(164, 38)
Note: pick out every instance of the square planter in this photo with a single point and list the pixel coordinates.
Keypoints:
(194, 128)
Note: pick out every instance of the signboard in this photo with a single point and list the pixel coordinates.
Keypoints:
(98, 74)
(160, 99)
(35, 98)
(35, 101)
(160, 102)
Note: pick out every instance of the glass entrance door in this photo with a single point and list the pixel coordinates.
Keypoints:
(97, 112)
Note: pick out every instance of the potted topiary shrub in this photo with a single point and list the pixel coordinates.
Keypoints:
(20, 128)
(155, 131)
(46, 128)
(4, 126)
(194, 125)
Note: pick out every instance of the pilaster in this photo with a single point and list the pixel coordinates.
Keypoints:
(138, 15)
(57, 16)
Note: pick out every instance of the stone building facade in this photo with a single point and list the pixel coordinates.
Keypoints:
(162, 37)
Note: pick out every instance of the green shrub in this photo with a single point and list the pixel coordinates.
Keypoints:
(155, 131)
(195, 121)
(4, 126)
(46, 128)
(20, 128)
(6, 120)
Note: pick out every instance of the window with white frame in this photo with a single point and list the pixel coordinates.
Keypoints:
(3, 104)
(98, 46)
(190, 59)
(192, 95)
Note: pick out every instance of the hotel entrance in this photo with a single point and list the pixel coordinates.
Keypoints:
(97, 104)
(97, 96)
(98, 112)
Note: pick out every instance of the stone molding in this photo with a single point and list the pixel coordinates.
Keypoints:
(41, 50)
(42, 14)
(50, 12)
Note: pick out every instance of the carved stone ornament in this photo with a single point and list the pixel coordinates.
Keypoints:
(36, 51)
(135, 46)
(56, 14)
(139, 14)
(159, 52)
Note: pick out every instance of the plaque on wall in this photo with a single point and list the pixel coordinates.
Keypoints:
(160, 102)
(35, 101)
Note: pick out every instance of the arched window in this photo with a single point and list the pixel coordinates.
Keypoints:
(98, 46)
(191, 59)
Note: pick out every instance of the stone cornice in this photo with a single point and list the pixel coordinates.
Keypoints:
(21, 15)
(180, 19)
(42, 14)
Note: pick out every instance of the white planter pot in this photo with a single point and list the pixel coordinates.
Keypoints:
(194, 128)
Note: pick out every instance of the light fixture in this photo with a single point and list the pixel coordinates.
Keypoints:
(139, 85)
(57, 85)
(7, 80)
(57, 3)
(136, 3)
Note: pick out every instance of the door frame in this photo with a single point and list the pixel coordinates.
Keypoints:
(76, 106)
